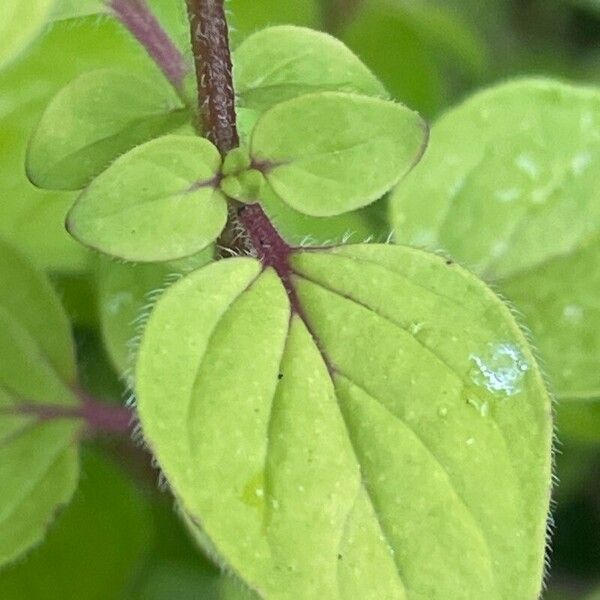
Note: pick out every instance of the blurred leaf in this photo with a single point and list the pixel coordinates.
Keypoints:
(306, 474)
(578, 419)
(125, 294)
(508, 187)
(175, 581)
(247, 17)
(280, 63)
(32, 219)
(78, 296)
(38, 457)
(320, 150)
(71, 9)
(157, 202)
(21, 23)
(389, 45)
(94, 549)
(93, 120)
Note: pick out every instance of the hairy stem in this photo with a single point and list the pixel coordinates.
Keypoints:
(99, 417)
(216, 100)
(216, 103)
(143, 25)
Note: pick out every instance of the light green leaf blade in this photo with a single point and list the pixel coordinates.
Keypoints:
(95, 548)
(156, 203)
(38, 457)
(329, 153)
(280, 63)
(27, 295)
(447, 400)
(93, 120)
(508, 187)
(20, 25)
(31, 218)
(72, 9)
(126, 293)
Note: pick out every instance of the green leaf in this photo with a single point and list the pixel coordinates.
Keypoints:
(246, 18)
(368, 223)
(20, 25)
(157, 202)
(96, 546)
(71, 9)
(174, 581)
(38, 457)
(329, 153)
(380, 33)
(508, 187)
(280, 63)
(93, 120)
(126, 293)
(31, 218)
(395, 444)
(578, 420)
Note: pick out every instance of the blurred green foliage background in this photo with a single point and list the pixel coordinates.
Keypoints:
(120, 537)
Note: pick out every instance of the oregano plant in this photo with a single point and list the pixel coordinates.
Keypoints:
(336, 416)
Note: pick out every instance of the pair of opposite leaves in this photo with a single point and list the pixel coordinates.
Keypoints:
(323, 146)
(339, 473)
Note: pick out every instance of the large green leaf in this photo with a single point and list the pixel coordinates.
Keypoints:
(95, 548)
(38, 457)
(391, 442)
(157, 202)
(32, 218)
(508, 187)
(93, 120)
(280, 63)
(329, 153)
(21, 23)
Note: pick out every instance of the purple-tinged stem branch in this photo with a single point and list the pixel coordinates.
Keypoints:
(137, 17)
(98, 417)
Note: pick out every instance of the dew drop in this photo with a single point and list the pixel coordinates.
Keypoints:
(443, 411)
(500, 369)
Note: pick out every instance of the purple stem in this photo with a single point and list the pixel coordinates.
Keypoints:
(212, 58)
(216, 103)
(99, 417)
(144, 26)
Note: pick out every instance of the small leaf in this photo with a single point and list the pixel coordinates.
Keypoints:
(38, 457)
(96, 546)
(330, 153)
(21, 23)
(93, 120)
(157, 202)
(368, 449)
(280, 63)
(508, 187)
